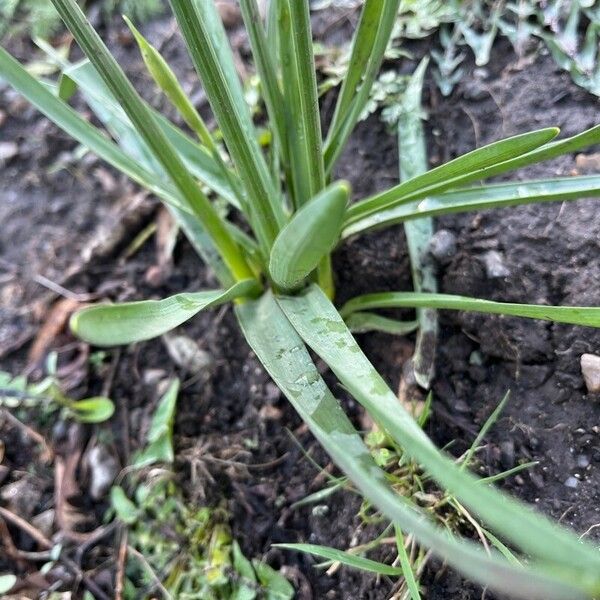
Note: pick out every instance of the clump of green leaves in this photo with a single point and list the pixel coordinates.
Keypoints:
(46, 396)
(283, 300)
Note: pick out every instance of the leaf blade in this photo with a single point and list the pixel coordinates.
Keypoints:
(440, 178)
(114, 324)
(310, 235)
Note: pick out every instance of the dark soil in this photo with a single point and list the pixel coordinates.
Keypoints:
(233, 410)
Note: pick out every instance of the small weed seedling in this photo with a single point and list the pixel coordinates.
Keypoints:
(279, 276)
(47, 396)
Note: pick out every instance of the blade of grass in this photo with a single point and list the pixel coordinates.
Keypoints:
(285, 357)
(439, 179)
(413, 162)
(336, 139)
(129, 322)
(407, 570)
(209, 49)
(196, 158)
(490, 421)
(480, 198)
(588, 316)
(362, 322)
(300, 89)
(149, 130)
(548, 151)
(345, 558)
(323, 329)
(70, 122)
(90, 137)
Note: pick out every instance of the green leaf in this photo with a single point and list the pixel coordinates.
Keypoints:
(321, 326)
(413, 162)
(480, 198)
(210, 52)
(362, 322)
(170, 86)
(92, 410)
(7, 582)
(301, 99)
(148, 128)
(311, 234)
(407, 569)
(266, 67)
(126, 510)
(115, 324)
(277, 587)
(160, 435)
(362, 46)
(350, 560)
(337, 138)
(285, 357)
(441, 178)
(66, 88)
(588, 316)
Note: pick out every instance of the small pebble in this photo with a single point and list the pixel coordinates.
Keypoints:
(571, 482)
(442, 246)
(186, 354)
(321, 510)
(494, 265)
(590, 369)
(8, 150)
(507, 454)
(103, 468)
(583, 461)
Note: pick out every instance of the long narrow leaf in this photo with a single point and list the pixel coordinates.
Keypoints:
(441, 178)
(362, 45)
(69, 121)
(266, 67)
(300, 89)
(480, 198)
(575, 315)
(361, 322)
(125, 323)
(148, 128)
(345, 558)
(548, 151)
(209, 49)
(87, 135)
(413, 162)
(336, 139)
(285, 357)
(197, 159)
(322, 328)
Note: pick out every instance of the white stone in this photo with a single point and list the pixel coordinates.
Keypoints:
(590, 369)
